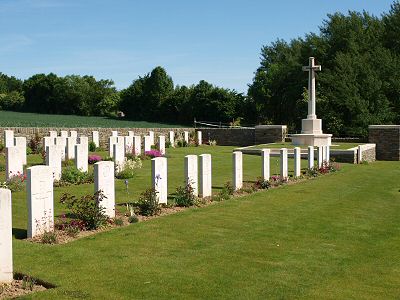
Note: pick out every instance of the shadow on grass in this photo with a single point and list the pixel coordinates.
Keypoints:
(20, 234)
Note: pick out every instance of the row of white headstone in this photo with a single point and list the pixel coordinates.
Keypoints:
(323, 156)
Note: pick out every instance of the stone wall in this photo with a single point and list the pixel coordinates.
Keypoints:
(387, 140)
(245, 136)
(104, 133)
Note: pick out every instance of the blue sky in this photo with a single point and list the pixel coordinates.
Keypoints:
(218, 41)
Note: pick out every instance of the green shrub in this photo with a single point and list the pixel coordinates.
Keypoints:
(181, 143)
(108, 158)
(184, 196)
(1, 147)
(262, 184)
(67, 163)
(72, 175)
(34, 144)
(87, 209)
(92, 147)
(28, 151)
(129, 168)
(118, 222)
(49, 237)
(148, 203)
(133, 219)
(16, 183)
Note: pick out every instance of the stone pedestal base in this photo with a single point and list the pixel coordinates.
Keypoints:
(311, 139)
(311, 126)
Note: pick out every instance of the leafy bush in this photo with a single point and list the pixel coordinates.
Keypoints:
(118, 222)
(148, 203)
(49, 237)
(87, 209)
(73, 175)
(168, 144)
(108, 158)
(226, 192)
(153, 153)
(34, 144)
(71, 227)
(184, 196)
(1, 147)
(28, 151)
(133, 219)
(129, 168)
(67, 163)
(181, 143)
(212, 142)
(262, 184)
(15, 183)
(92, 147)
(92, 159)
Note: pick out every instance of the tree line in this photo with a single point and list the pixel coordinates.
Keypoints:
(359, 84)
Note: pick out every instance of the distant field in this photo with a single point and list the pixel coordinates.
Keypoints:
(18, 119)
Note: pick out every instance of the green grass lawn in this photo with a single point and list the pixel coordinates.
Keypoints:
(19, 119)
(332, 237)
(289, 145)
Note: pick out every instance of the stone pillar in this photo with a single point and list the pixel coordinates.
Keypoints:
(297, 161)
(199, 138)
(20, 143)
(320, 157)
(237, 162)
(147, 143)
(81, 157)
(39, 186)
(284, 163)
(137, 145)
(205, 179)
(191, 172)
(172, 139)
(359, 154)
(104, 182)
(8, 138)
(53, 160)
(265, 164)
(13, 162)
(159, 178)
(6, 257)
(95, 138)
(161, 144)
(310, 157)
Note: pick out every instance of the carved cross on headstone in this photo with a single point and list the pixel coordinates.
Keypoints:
(311, 69)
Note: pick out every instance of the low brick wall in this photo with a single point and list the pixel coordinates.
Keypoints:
(387, 140)
(245, 136)
(104, 133)
(368, 152)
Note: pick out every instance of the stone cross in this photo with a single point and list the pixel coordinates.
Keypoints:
(311, 69)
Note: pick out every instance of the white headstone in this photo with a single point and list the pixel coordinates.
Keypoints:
(64, 133)
(128, 141)
(199, 138)
(53, 160)
(161, 144)
(84, 140)
(320, 156)
(131, 133)
(8, 138)
(284, 163)
(119, 156)
(191, 172)
(104, 181)
(111, 141)
(53, 133)
(237, 161)
(137, 145)
(186, 136)
(6, 257)
(151, 135)
(20, 143)
(159, 180)
(62, 143)
(95, 138)
(310, 157)
(147, 143)
(81, 157)
(265, 164)
(114, 133)
(70, 149)
(297, 161)
(172, 139)
(39, 186)
(48, 141)
(205, 178)
(73, 133)
(14, 165)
